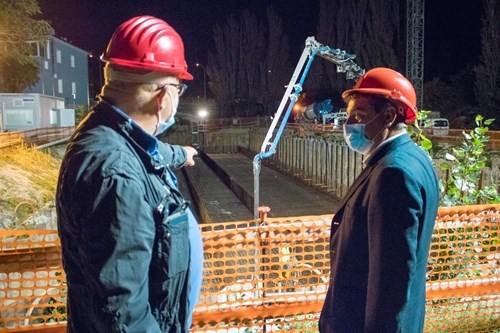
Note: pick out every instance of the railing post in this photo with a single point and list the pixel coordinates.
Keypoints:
(263, 210)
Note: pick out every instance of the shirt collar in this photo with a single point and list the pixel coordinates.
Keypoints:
(147, 141)
(382, 144)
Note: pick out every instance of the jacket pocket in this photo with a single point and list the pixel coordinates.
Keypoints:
(175, 244)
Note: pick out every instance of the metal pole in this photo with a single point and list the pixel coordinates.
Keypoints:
(344, 62)
(256, 199)
(100, 73)
(204, 81)
(205, 84)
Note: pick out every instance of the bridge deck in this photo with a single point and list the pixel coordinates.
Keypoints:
(213, 200)
(225, 177)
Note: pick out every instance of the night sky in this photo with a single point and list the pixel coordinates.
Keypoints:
(452, 27)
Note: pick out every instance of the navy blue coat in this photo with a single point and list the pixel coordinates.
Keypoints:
(123, 229)
(380, 244)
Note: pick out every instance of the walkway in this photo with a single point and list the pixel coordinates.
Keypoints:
(213, 201)
(224, 182)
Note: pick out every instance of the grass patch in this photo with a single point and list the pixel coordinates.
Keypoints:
(28, 180)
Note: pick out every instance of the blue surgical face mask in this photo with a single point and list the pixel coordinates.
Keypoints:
(163, 126)
(355, 137)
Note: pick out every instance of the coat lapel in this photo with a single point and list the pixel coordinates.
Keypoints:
(372, 162)
(359, 180)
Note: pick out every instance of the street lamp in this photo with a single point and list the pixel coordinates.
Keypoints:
(204, 81)
(203, 114)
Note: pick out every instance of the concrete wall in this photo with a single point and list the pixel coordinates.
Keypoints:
(327, 163)
(215, 141)
(323, 161)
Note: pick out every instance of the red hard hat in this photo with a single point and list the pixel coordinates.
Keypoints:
(389, 83)
(149, 43)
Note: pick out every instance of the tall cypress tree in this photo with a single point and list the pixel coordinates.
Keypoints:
(249, 64)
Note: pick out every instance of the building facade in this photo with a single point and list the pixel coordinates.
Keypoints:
(63, 85)
(25, 111)
(64, 72)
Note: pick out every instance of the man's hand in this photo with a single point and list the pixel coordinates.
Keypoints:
(190, 152)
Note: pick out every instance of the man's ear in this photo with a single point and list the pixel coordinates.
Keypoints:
(161, 98)
(390, 115)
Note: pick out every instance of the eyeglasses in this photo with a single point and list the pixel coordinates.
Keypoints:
(181, 87)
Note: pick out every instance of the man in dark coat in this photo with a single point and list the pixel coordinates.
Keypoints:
(126, 231)
(381, 233)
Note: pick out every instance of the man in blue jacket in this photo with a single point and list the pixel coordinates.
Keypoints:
(124, 226)
(381, 234)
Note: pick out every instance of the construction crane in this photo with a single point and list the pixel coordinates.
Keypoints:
(345, 64)
(415, 46)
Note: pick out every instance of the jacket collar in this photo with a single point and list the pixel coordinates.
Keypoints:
(386, 147)
(370, 165)
(139, 137)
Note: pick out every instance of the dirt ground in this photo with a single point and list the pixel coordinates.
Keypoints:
(27, 189)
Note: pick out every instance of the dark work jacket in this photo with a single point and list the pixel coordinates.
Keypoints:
(123, 229)
(380, 244)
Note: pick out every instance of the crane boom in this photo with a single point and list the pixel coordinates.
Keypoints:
(345, 64)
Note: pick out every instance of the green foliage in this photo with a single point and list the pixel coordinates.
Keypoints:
(463, 168)
(462, 252)
(81, 112)
(18, 70)
(416, 130)
(55, 313)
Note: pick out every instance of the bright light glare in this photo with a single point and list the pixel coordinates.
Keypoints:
(202, 113)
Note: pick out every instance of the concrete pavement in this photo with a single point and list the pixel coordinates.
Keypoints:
(212, 200)
(222, 184)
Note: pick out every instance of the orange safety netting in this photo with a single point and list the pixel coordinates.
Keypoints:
(272, 276)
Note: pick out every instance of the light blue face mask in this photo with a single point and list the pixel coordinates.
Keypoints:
(355, 137)
(163, 126)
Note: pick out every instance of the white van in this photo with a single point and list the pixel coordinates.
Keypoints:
(439, 126)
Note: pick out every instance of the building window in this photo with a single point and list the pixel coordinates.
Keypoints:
(73, 61)
(73, 88)
(19, 117)
(48, 50)
(46, 64)
(42, 52)
(58, 56)
(59, 86)
(33, 49)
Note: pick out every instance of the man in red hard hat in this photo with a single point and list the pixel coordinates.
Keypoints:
(124, 226)
(380, 235)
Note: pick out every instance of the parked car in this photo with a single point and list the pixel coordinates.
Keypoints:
(439, 126)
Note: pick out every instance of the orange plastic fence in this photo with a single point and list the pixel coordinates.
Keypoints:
(32, 281)
(272, 277)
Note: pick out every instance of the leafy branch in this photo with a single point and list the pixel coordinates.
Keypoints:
(464, 170)
(416, 130)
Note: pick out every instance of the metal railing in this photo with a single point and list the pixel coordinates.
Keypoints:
(10, 139)
(271, 275)
(35, 137)
(328, 163)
